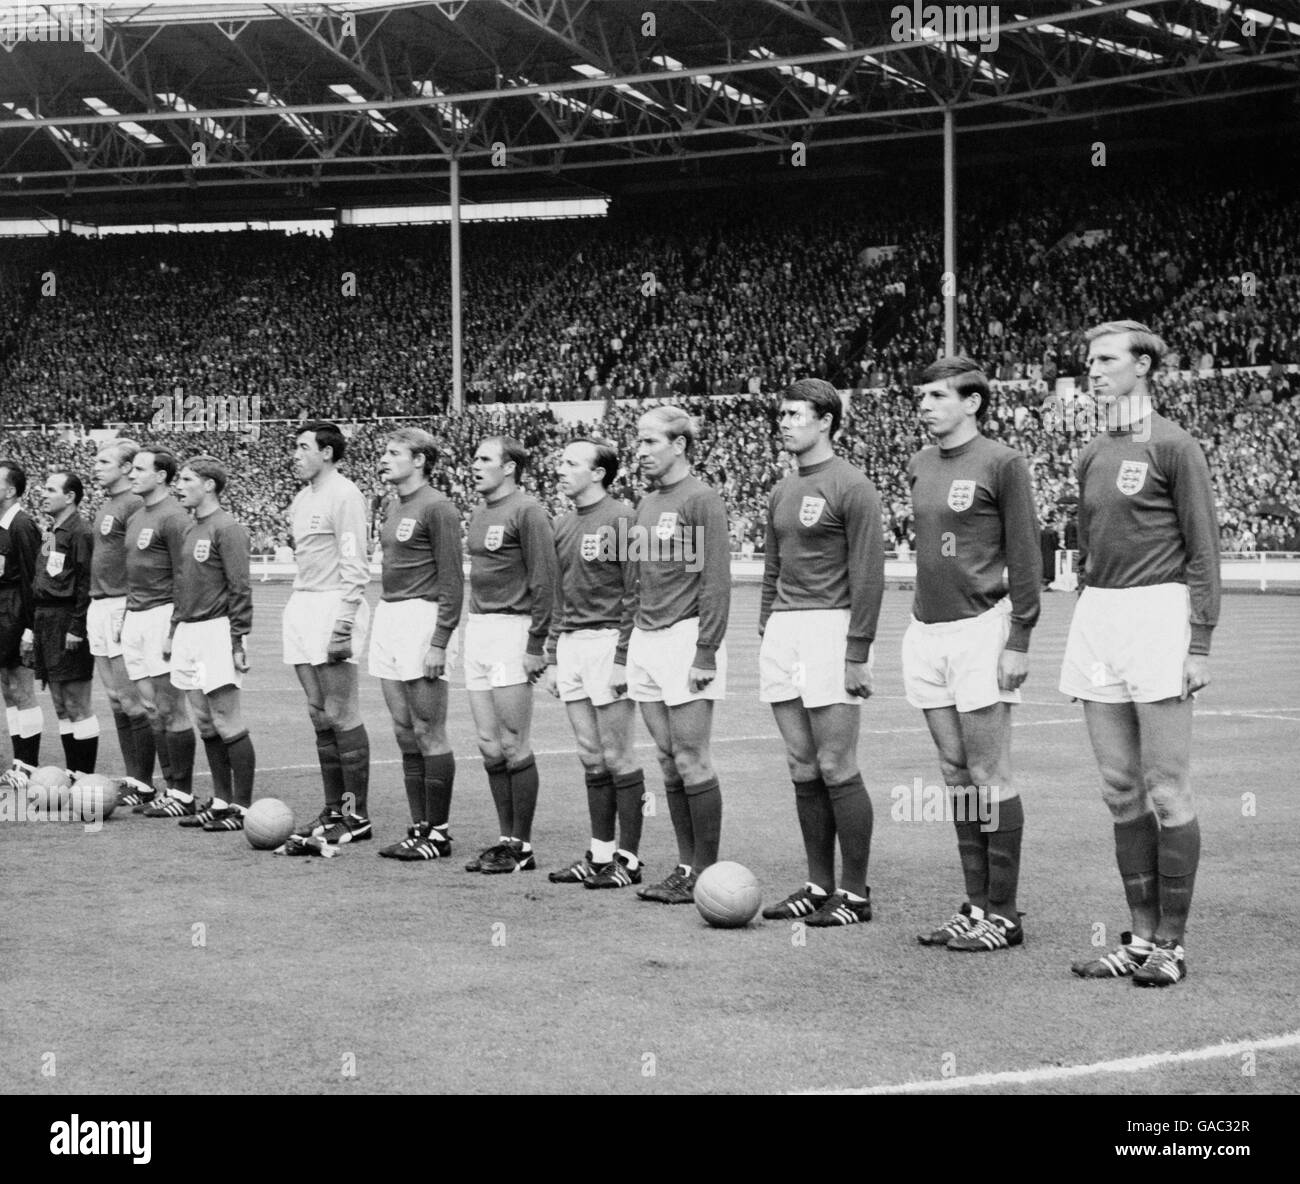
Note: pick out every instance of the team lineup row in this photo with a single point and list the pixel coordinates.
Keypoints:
(612, 606)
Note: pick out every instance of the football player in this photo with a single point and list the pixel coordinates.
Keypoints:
(823, 581)
(677, 656)
(587, 661)
(208, 643)
(965, 652)
(413, 641)
(1139, 643)
(512, 590)
(324, 629)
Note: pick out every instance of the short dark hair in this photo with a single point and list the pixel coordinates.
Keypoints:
(823, 398)
(963, 375)
(511, 450)
(328, 435)
(164, 461)
(606, 457)
(71, 484)
(16, 475)
(209, 468)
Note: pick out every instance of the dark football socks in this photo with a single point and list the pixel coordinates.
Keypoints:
(523, 795)
(854, 820)
(972, 846)
(439, 781)
(1137, 855)
(817, 823)
(331, 769)
(679, 811)
(1004, 859)
(124, 725)
(413, 780)
(145, 749)
(69, 750)
(629, 795)
(354, 759)
(243, 767)
(1179, 857)
(602, 805)
(498, 775)
(180, 753)
(219, 763)
(162, 747)
(705, 803)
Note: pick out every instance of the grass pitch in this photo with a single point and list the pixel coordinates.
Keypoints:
(260, 974)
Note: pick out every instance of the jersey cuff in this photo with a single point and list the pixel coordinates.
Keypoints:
(1018, 637)
(1201, 635)
(706, 657)
(858, 649)
(536, 647)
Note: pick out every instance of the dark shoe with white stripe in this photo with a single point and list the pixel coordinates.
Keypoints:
(616, 874)
(203, 817)
(170, 806)
(838, 909)
(320, 824)
(507, 858)
(677, 888)
(958, 925)
(1164, 967)
(350, 828)
(1121, 962)
(413, 835)
(989, 933)
(580, 871)
(432, 844)
(803, 902)
(231, 818)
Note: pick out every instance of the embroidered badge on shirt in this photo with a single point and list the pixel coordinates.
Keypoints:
(202, 549)
(54, 563)
(146, 535)
(106, 524)
(590, 547)
(405, 529)
(494, 538)
(810, 510)
(667, 525)
(1131, 477)
(961, 494)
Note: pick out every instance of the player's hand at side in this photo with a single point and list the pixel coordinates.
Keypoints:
(27, 649)
(534, 666)
(240, 657)
(699, 678)
(549, 683)
(167, 648)
(435, 662)
(118, 620)
(1196, 674)
(618, 680)
(1013, 669)
(340, 646)
(72, 643)
(857, 680)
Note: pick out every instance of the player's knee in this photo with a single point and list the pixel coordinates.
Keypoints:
(513, 748)
(983, 774)
(490, 750)
(617, 759)
(1171, 798)
(1117, 779)
(1125, 804)
(836, 767)
(692, 765)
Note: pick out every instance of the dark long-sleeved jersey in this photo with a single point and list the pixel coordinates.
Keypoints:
(63, 571)
(975, 517)
(825, 549)
(596, 585)
(683, 548)
(420, 537)
(512, 563)
(108, 567)
(20, 546)
(155, 537)
(212, 580)
(1146, 516)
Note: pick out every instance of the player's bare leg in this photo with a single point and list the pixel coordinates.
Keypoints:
(503, 717)
(602, 808)
(78, 727)
(419, 711)
(615, 723)
(1116, 739)
(225, 709)
(1166, 731)
(134, 733)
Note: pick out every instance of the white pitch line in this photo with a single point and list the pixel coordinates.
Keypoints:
(1138, 1064)
(1024, 723)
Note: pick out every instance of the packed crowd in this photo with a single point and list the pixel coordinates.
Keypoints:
(699, 296)
(1248, 424)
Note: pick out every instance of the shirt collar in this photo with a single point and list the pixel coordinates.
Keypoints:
(8, 519)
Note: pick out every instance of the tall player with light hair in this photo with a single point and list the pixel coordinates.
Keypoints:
(1139, 643)
(677, 655)
(413, 642)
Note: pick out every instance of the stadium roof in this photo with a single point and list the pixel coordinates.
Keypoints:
(343, 99)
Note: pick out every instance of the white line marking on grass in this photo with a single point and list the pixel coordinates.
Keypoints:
(1138, 1064)
(766, 736)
